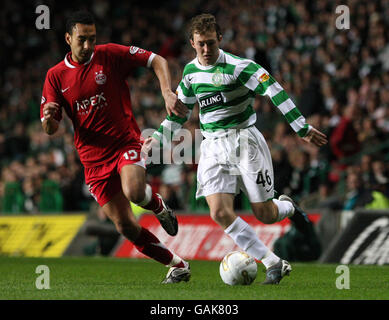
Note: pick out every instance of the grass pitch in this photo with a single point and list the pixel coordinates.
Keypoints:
(139, 279)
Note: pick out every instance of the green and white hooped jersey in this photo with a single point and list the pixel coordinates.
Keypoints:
(225, 93)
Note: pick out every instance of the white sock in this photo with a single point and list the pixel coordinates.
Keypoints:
(245, 237)
(270, 259)
(148, 195)
(285, 209)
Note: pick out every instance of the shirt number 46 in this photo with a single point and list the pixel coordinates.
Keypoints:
(261, 179)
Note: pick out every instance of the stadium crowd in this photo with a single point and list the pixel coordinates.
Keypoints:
(339, 79)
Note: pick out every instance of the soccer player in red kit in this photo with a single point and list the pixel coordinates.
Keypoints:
(90, 86)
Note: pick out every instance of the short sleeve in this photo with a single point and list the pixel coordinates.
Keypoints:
(126, 58)
(50, 94)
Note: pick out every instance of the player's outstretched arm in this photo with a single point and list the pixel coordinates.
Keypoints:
(172, 104)
(50, 124)
(316, 137)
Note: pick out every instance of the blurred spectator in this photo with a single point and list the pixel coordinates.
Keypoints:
(366, 171)
(311, 99)
(299, 161)
(368, 134)
(281, 166)
(16, 144)
(317, 170)
(344, 139)
(30, 190)
(380, 172)
(323, 198)
(355, 192)
(267, 118)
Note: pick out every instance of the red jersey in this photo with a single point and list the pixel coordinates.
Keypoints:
(96, 97)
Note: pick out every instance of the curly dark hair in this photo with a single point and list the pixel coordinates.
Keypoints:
(203, 23)
(83, 17)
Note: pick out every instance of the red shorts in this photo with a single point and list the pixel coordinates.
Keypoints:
(104, 180)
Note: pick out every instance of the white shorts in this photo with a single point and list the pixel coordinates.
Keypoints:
(239, 161)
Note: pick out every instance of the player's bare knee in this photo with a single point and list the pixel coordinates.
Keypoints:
(137, 196)
(222, 217)
(218, 215)
(134, 195)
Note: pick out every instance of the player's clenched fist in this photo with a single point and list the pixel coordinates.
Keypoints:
(49, 110)
(50, 124)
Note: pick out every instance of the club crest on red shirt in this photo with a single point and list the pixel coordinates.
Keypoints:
(100, 77)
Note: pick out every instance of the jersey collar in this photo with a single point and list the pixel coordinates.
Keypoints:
(72, 64)
(218, 60)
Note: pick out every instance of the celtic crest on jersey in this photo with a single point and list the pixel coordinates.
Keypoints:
(217, 78)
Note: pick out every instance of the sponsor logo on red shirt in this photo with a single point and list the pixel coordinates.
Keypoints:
(97, 101)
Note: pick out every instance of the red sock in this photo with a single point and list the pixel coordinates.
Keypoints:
(149, 245)
(180, 264)
(155, 204)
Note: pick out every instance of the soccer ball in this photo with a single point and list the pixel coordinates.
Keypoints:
(238, 268)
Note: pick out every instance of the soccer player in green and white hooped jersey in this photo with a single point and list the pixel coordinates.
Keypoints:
(225, 87)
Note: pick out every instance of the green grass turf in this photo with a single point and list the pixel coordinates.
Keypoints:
(139, 279)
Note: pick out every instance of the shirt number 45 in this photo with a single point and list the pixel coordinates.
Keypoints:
(261, 179)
